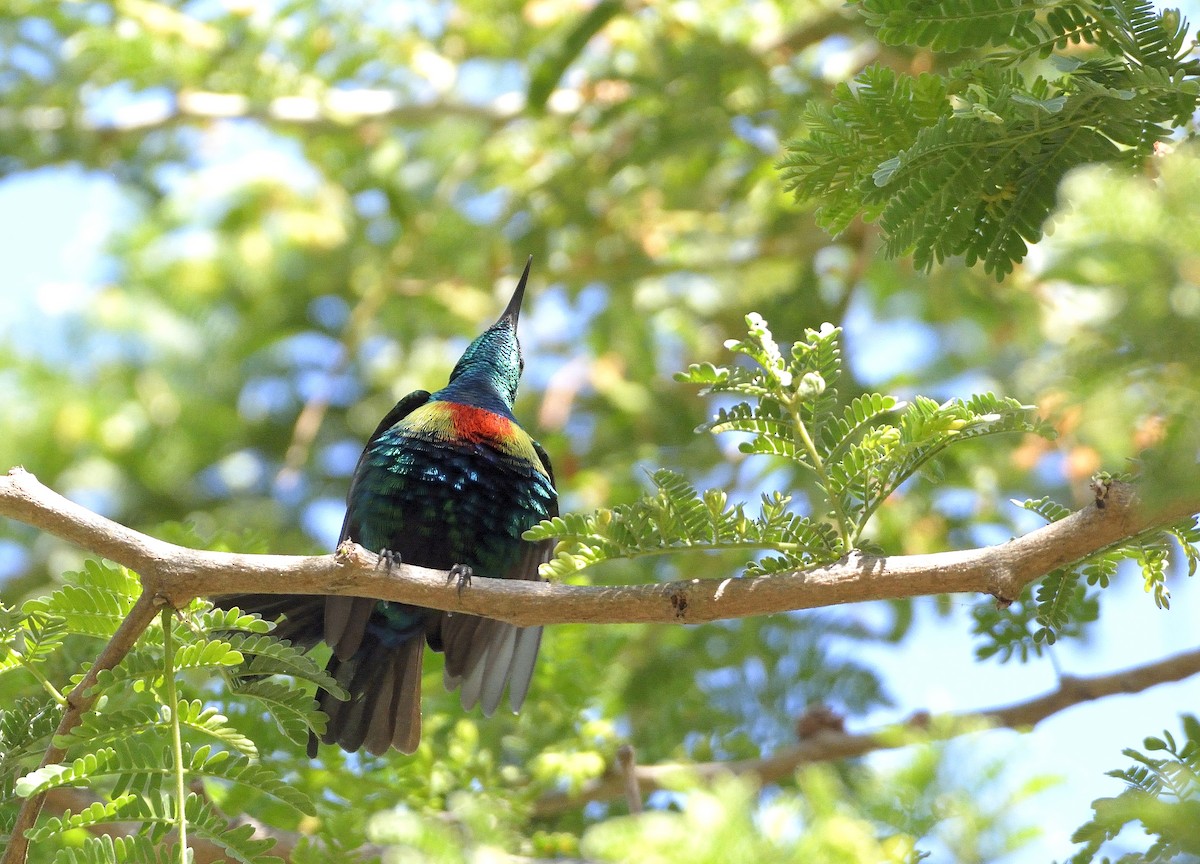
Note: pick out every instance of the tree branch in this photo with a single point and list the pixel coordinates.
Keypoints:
(828, 744)
(180, 574)
(334, 109)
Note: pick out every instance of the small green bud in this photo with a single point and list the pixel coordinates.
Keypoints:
(811, 386)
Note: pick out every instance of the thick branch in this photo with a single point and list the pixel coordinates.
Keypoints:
(179, 574)
(829, 745)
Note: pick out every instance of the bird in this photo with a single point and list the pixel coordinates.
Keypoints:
(449, 480)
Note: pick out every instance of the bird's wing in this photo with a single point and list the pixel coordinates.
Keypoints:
(410, 403)
(545, 459)
(346, 617)
(482, 655)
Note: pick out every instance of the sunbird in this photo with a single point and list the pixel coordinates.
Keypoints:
(450, 481)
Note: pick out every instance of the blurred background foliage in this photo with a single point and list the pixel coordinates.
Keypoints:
(310, 207)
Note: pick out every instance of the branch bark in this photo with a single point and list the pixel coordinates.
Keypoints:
(179, 574)
(829, 745)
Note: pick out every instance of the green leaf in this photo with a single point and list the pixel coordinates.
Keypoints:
(1049, 510)
(97, 813)
(859, 414)
(52, 776)
(105, 849)
(26, 725)
(795, 413)
(951, 25)
(1162, 796)
(293, 710)
(215, 619)
(221, 764)
(266, 655)
(109, 727)
(94, 601)
(29, 638)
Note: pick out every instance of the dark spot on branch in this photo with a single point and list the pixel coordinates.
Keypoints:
(1004, 585)
(679, 603)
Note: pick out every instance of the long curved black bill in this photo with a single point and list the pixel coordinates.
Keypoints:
(513, 310)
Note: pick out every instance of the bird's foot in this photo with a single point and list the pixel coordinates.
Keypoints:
(388, 559)
(463, 573)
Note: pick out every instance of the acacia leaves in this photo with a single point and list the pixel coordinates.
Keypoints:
(1066, 600)
(143, 741)
(792, 410)
(968, 163)
(675, 518)
(1161, 795)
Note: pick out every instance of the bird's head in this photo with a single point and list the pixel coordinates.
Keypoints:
(493, 361)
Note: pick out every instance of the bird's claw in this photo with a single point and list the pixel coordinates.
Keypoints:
(388, 559)
(463, 573)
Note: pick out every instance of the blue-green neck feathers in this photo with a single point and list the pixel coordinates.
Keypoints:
(489, 370)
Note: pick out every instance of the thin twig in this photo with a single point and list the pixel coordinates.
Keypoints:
(79, 701)
(171, 697)
(627, 761)
(828, 745)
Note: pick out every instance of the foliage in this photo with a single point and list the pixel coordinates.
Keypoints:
(1162, 794)
(856, 460)
(725, 822)
(1060, 605)
(967, 163)
(1106, 254)
(720, 825)
(140, 738)
(818, 820)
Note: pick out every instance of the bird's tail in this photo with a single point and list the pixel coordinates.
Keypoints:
(483, 656)
(384, 683)
(384, 708)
